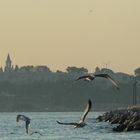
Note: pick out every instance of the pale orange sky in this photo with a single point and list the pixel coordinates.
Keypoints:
(61, 33)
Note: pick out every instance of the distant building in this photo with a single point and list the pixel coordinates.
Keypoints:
(8, 64)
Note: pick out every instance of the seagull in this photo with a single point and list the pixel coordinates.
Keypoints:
(92, 77)
(24, 118)
(82, 119)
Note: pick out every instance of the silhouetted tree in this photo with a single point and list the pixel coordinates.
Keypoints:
(97, 70)
(108, 71)
(1, 70)
(59, 71)
(42, 69)
(76, 70)
(137, 72)
(16, 68)
(27, 69)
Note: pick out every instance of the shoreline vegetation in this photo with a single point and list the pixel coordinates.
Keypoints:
(38, 89)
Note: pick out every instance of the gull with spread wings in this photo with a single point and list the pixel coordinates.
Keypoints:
(81, 123)
(24, 118)
(93, 76)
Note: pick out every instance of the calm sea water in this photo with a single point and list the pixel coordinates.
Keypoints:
(45, 123)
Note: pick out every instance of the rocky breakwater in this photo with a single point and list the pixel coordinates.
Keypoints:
(127, 119)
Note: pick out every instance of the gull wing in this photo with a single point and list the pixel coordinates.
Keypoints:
(113, 82)
(67, 123)
(109, 78)
(85, 77)
(18, 118)
(27, 127)
(88, 107)
(22, 117)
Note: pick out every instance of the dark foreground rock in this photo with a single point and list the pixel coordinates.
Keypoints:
(127, 119)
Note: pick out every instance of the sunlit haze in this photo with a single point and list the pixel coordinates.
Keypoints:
(61, 33)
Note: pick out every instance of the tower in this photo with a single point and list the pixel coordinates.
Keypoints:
(8, 64)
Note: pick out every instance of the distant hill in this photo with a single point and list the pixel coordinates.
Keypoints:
(58, 91)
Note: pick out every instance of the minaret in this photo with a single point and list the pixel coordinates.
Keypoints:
(8, 66)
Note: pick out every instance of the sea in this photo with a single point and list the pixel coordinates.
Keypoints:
(46, 127)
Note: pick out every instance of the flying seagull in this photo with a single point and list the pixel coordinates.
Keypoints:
(82, 119)
(92, 77)
(24, 118)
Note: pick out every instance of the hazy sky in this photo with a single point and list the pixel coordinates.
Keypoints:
(61, 33)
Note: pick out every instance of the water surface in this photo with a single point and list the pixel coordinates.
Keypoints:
(45, 123)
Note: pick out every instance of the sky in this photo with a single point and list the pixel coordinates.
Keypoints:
(62, 33)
